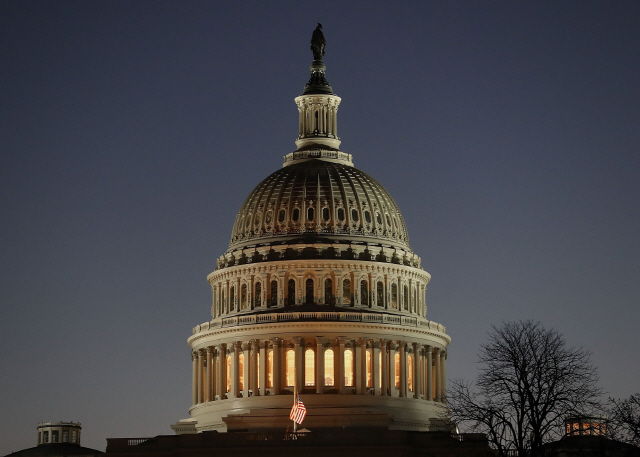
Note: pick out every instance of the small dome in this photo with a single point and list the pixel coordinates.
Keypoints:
(322, 200)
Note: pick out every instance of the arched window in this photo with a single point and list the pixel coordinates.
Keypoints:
(378, 219)
(310, 214)
(290, 361)
(369, 369)
(354, 215)
(229, 373)
(348, 367)
(232, 299)
(291, 295)
(367, 217)
(325, 213)
(309, 367)
(388, 221)
(410, 372)
(380, 294)
(241, 370)
(328, 368)
(243, 296)
(346, 292)
(274, 294)
(394, 296)
(364, 293)
(281, 215)
(296, 214)
(406, 298)
(257, 300)
(328, 291)
(340, 214)
(270, 369)
(397, 371)
(309, 290)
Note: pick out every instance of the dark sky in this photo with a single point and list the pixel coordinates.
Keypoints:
(131, 132)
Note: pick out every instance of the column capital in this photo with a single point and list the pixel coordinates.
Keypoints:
(262, 344)
(209, 349)
(245, 346)
(231, 348)
(275, 341)
(342, 340)
(428, 349)
(297, 340)
(376, 344)
(320, 340)
(194, 355)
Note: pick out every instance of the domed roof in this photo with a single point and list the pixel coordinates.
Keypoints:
(319, 200)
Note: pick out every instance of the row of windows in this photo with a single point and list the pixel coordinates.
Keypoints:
(310, 369)
(325, 214)
(43, 437)
(309, 297)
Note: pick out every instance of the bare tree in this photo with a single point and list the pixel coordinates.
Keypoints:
(528, 383)
(624, 419)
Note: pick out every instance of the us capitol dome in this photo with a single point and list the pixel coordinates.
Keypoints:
(320, 290)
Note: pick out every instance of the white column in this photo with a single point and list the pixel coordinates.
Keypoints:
(384, 382)
(207, 387)
(341, 342)
(235, 354)
(403, 370)
(254, 368)
(222, 372)
(194, 384)
(200, 375)
(416, 371)
(319, 365)
(277, 384)
(429, 350)
(298, 362)
(438, 378)
(375, 367)
(360, 366)
(263, 368)
(443, 369)
(245, 370)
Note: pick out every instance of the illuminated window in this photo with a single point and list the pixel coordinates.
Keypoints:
(397, 371)
(243, 296)
(328, 367)
(291, 367)
(369, 369)
(348, 367)
(65, 436)
(270, 369)
(346, 292)
(380, 294)
(291, 293)
(309, 290)
(258, 295)
(241, 371)
(228, 373)
(394, 296)
(410, 372)
(364, 293)
(274, 294)
(328, 291)
(309, 368)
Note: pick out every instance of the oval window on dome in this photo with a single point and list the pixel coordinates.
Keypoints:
(354, 215)
(378, 218)
(310, 214)
(267, 219)
(296, 214)
(325, 214)
(367, 217)
(388, 221)
(281, 215)
(340, 214)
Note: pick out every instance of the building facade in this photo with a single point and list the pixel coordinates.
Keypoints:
(319, 292)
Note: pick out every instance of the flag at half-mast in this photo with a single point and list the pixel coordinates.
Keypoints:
(298, 411)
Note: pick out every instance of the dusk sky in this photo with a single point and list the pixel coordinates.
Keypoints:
(131, 132)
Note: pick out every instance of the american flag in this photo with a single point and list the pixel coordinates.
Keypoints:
(298, 411)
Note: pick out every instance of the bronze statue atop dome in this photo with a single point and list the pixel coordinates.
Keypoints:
(318, 43)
